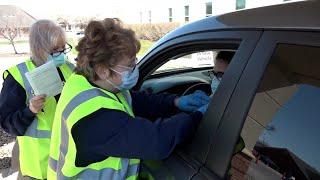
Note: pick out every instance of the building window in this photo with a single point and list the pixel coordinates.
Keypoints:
(208, 9)
(240, 4)
(170, 14)
(149, 16)
(186, 13)
(140, 17)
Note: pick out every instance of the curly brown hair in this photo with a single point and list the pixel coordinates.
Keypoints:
(103, 45)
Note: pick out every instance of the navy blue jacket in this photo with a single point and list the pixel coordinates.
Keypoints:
(114, 133)
(153, 134)
(15, 116)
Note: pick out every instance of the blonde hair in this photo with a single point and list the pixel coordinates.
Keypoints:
(44, 37)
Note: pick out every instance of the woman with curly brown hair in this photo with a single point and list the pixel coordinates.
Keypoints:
(101, 130)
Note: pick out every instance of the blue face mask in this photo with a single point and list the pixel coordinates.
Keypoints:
(214, 84)
(58, 60)
(129, 79)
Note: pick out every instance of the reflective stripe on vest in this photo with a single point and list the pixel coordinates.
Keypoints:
(32, 130)
(127, 169)
(70, 65)
(34, 144)
(106, 173)
(22, 67)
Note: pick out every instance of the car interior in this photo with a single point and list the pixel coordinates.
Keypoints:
(180, 75)
(183, 74)
(286, 71)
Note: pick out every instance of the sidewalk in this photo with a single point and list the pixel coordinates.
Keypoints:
(5, 159)
(8, 49)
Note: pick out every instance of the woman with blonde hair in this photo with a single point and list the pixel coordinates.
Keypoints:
(101, 130)
(29, 116)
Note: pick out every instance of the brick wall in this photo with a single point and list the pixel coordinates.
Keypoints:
(239, 166)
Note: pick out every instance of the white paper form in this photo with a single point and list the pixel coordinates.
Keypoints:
(45, 79)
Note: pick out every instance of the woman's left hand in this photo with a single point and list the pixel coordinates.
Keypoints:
(192, 102)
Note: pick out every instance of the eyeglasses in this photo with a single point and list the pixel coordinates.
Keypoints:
(130, 68)
(67, 49)
(218, 75)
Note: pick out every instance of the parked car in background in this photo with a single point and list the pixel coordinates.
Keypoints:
(269, 96)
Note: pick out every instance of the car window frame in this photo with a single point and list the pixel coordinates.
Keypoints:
(247, 41)
(235, 115)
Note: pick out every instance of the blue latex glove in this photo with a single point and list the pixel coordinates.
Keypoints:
(193, 101)
(203, 109)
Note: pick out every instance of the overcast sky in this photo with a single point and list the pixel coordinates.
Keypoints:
(127, 10)
(47, 9)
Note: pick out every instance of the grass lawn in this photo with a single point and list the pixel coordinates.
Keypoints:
(73, 43)
(145, 45)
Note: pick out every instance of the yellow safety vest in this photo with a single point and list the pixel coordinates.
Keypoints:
(78, 100)
(34, 144)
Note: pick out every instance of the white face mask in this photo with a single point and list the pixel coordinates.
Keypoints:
(129, 78)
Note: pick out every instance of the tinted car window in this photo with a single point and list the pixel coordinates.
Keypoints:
(281, 132)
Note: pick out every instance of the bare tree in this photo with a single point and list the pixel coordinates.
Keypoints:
(82, 21)
(63, 22)
(10, 33)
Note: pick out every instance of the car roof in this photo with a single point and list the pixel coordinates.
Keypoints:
(302, 16)
(296, 15)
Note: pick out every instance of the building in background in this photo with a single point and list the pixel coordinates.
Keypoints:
(15, 18)
(184, 11)
(143, 11)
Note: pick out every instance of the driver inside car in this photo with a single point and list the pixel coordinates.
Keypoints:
(101, 129)
(221, 64)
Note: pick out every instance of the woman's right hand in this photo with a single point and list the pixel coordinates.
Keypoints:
(37, 103)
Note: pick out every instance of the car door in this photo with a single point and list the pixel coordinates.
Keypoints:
(185, 162)
(274, 109)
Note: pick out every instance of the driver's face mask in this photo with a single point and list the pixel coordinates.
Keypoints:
(216, 81)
